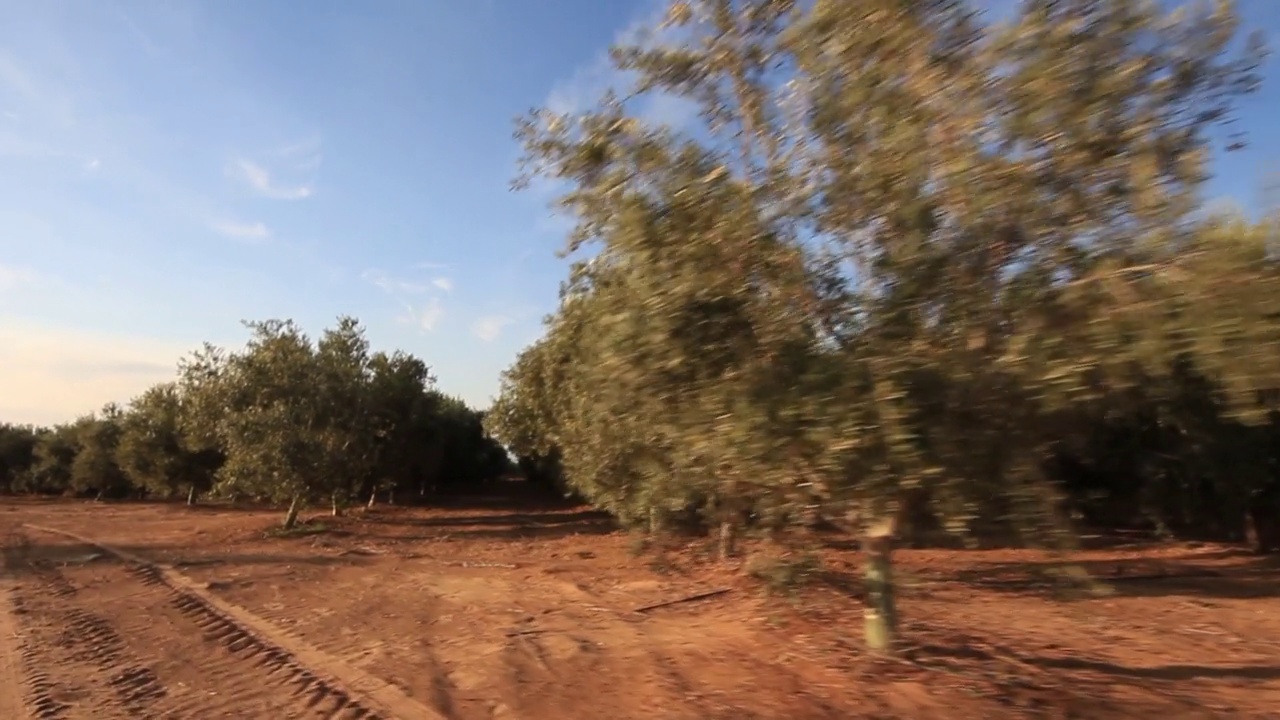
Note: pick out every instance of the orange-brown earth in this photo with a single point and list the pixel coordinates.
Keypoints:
(492, 612)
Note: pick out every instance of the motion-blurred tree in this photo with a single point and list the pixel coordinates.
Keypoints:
(887, 266)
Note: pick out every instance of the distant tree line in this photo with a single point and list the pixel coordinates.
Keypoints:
(284, 420)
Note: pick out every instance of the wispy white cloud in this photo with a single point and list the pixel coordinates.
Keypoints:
(422, 315)
(392, 285)
(253, 232)
(302, 155)
(421, 306)
(259, 179)
(427, 316)
(490, 327)
(58, 120)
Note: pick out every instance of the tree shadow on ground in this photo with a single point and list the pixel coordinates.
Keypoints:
(1083, 686)
(1259, 576)
(975, 651)
(834, 538)
(500, 526)
(221, 506)
(1165, 673)
(33, 558)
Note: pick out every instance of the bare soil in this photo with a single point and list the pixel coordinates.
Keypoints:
(161, 611)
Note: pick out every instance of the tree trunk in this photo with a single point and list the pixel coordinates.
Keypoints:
(1262, 521)
(191, 495)
(391, 495)
(728, 538)
(656, 524)
(291, 517)
(373, 498)
(337, 507)
(881, 614)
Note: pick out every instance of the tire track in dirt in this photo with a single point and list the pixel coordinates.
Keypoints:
(539, 678)
(73, 654)
(410, 663)
(233, 663)
(678, 682)
(11, 660)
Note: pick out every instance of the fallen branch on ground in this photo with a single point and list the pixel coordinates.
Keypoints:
(685, 599)
(518, 633)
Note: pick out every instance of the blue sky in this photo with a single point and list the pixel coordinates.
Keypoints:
(170, 167)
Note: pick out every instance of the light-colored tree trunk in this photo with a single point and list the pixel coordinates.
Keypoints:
(881, 613)
(728, 539)
(191, 495)
(727, 507)
(291, 517)
(373, 498)
(335, 504)
(391, 495)
(656, 521)
(1251, 535)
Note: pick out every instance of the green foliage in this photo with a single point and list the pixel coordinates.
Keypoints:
(55, 453)
(469, 458)
(284, 419)
(95, 469)
(155, 450)
(402, 415)
(298, 420)
(17, 456)
(909, 254)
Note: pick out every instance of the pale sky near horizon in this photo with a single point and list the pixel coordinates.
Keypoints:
(171, 167)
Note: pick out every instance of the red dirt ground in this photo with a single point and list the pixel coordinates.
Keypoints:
(496, 613)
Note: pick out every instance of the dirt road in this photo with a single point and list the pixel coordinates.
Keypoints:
(97, 636)
(502, 614)
(11, 666)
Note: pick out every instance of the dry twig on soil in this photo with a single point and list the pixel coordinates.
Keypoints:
(685, 599)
